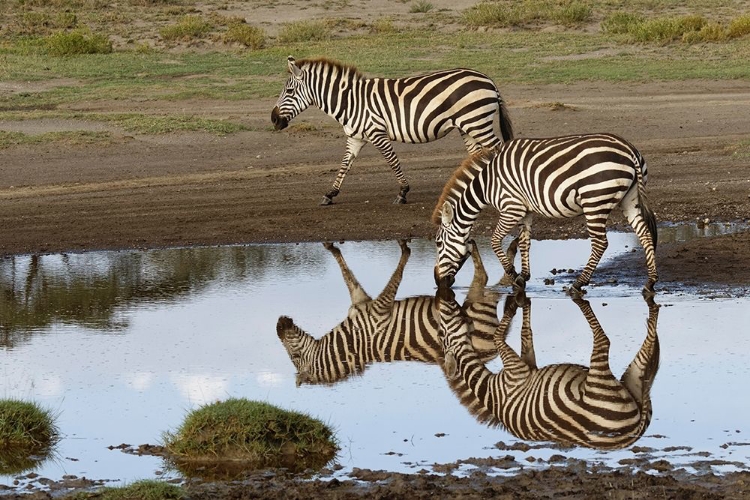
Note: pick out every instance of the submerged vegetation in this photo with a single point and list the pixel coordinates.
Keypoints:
(252, 432)
(27, 435)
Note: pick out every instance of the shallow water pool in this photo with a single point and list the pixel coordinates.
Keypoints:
(120, 345)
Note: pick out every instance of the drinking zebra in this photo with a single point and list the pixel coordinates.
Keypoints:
(564, 403)
(385, 329)
(558, 177)
(380, 110)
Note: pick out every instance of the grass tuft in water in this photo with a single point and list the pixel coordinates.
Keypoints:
(27, 435)
(251, 431)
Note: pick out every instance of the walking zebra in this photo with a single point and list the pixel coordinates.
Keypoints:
(385, 329)
(558, 177)
(565, 403)
(380, 110)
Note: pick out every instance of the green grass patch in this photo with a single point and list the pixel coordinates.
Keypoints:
(305, 31)
(68, 43)
(253, 432)
(27, 435)
(148, 124)
(140, 490)
(188, 28)
(249, 36)
(78, 137)
(621, 23)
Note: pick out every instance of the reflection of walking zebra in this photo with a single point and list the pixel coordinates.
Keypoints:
(558, 177)
(565, 403)
(379, 110)
(385, 329)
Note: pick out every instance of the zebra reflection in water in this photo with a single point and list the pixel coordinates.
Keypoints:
(565, 403)
(385, 329)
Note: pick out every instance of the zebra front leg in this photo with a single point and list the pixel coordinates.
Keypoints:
(503, 227)
(383, 144)
(524, 246)
(353, 147)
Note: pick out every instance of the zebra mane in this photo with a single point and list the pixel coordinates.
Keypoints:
(322, 61)
(464, 174)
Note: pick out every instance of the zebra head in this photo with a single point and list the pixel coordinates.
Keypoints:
(453, 247)
(294, 99)
(298, 344)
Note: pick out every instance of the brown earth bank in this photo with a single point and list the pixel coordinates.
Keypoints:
(261, 186)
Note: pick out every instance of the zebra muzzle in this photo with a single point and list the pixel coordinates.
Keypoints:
(279, 122)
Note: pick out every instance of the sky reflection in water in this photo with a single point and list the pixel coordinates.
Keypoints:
(123, 344)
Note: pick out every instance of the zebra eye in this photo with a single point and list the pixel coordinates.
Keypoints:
(290, 91)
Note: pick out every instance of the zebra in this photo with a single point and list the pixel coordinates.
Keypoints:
(558, 177)
(417, 109)
(565, 403)
(384, 329)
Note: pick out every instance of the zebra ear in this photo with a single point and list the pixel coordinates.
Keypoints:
(446, 215)
(293, 68)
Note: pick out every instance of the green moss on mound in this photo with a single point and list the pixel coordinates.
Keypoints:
(257, 433)
(27, 435)
(140, 490)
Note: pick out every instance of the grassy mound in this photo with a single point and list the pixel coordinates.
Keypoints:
(27, 435)
(257, 434)
(140, 490)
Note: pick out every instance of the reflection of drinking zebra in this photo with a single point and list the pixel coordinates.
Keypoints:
(558, 177)
(380, 110)
(565, 403)
(385, 329)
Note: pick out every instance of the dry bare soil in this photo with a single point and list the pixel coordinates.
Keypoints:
(263, 186)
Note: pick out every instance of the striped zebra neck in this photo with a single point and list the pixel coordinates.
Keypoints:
(466, 190)
(324, 77)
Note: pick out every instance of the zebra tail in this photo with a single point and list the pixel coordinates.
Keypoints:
(506, 126)
(646, 212)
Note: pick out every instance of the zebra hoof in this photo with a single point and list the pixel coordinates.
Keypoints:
(400, 200)
(326, 201)
(575, 291)
(519, 284)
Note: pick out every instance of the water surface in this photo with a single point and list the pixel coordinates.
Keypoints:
(122, 344)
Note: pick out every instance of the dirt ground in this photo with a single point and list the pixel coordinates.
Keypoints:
(264, 186)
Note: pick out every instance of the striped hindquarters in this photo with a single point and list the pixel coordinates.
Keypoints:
(566, 176)
(424, 108)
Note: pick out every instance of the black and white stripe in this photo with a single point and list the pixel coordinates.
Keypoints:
(384, 329)
(565, 403)
(380, 110)
(558, 177)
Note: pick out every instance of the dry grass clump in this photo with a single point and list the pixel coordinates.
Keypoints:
(187, 28)
(504, 13)
(305, 31)
(249, 36)
(688, 29)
